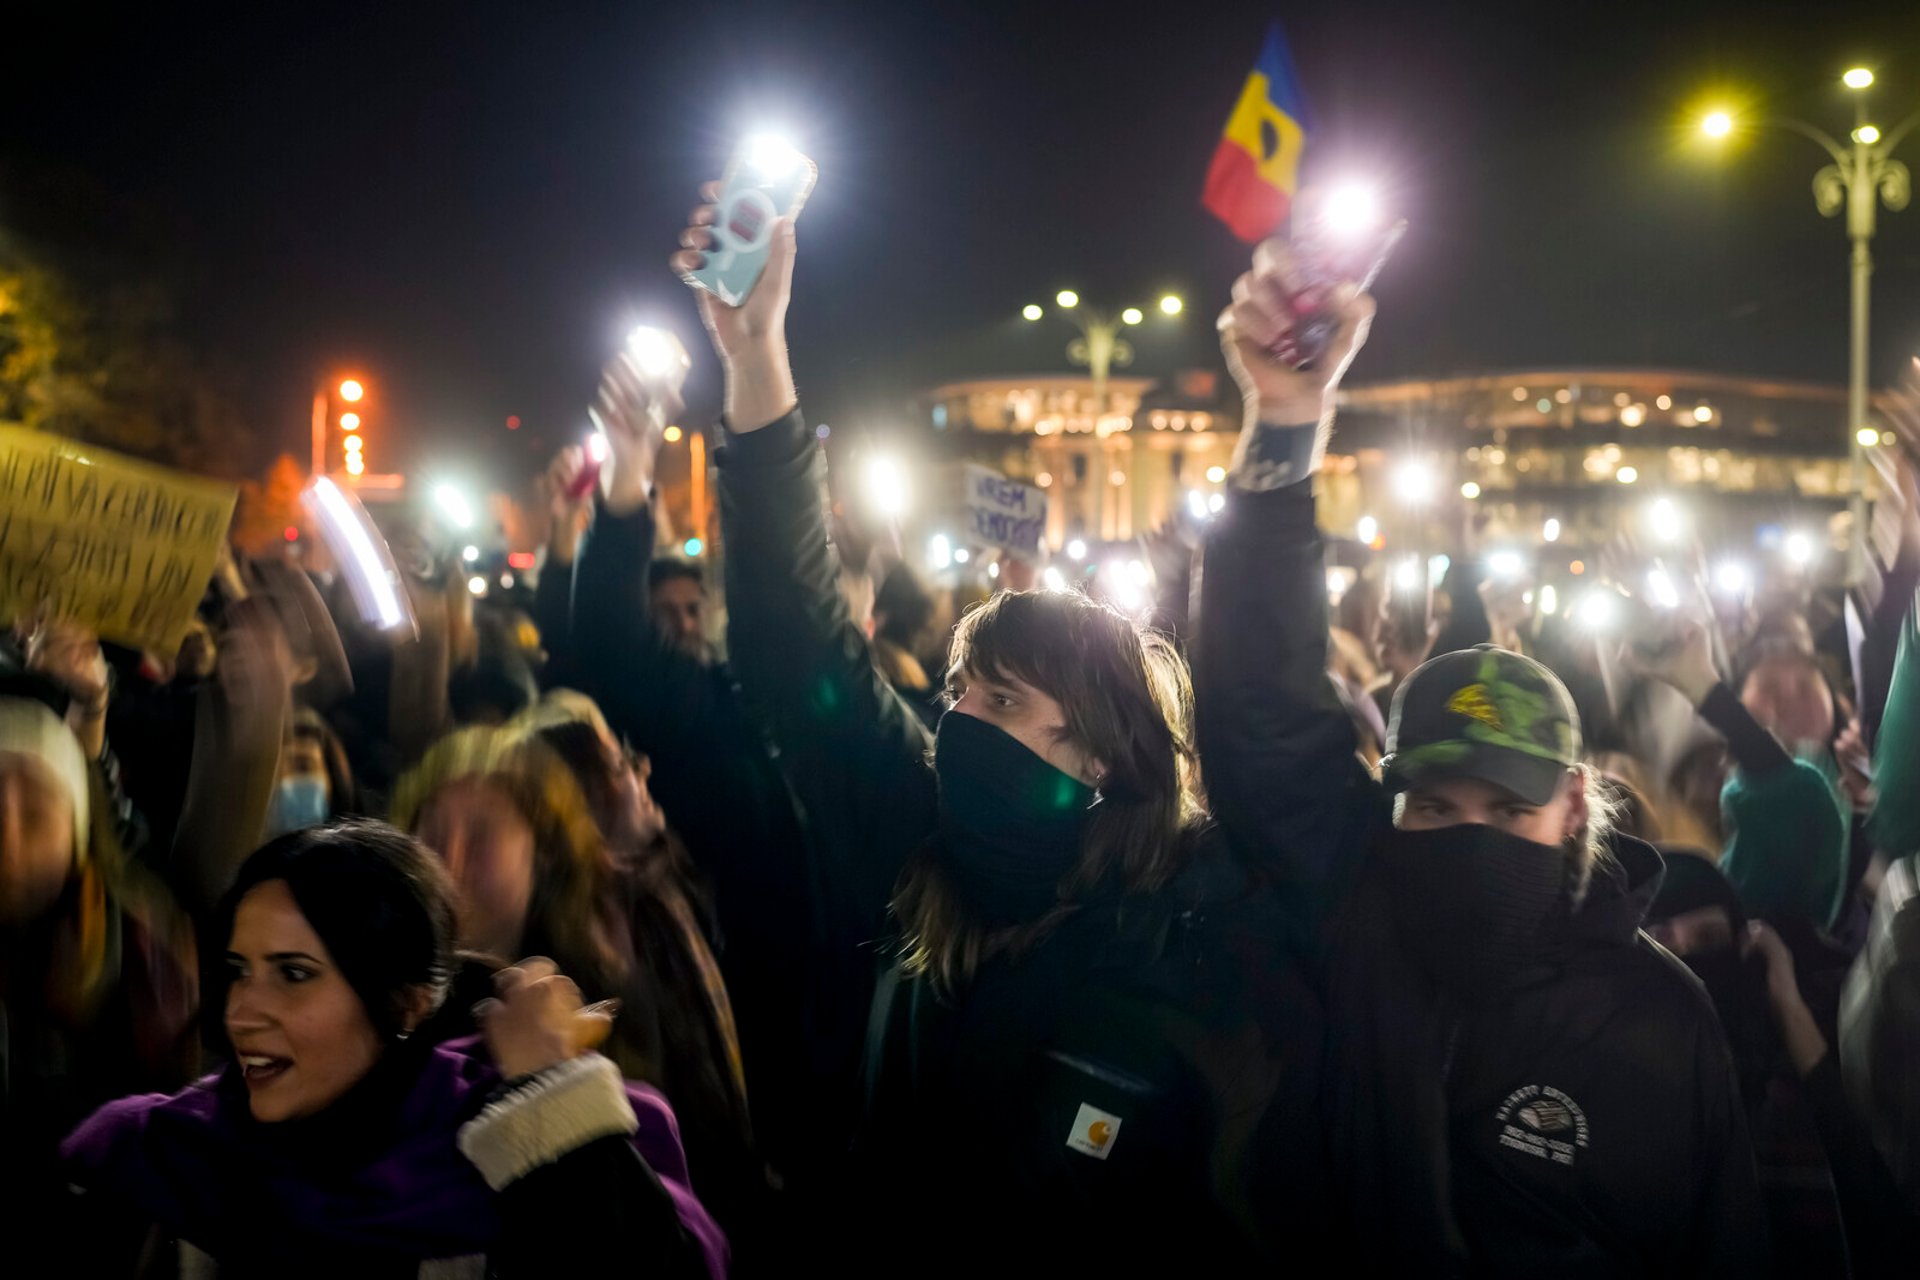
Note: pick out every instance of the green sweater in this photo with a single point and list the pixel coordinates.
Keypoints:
(1895, 824)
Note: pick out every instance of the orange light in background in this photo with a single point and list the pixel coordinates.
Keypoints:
(1577, 568)
(292, 534)
(513, 422)
(521, 559)
(353, 444)
(351, 391)
(355, 466)
(671, 435)
(349, 422)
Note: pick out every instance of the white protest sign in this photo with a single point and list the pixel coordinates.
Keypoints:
(1003, 513)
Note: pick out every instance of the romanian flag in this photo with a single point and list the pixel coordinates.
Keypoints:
(1255, 169)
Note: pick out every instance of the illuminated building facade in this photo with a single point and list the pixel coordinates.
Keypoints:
(1579, 446)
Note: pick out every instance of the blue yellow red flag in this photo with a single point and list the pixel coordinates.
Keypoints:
(1256, 167)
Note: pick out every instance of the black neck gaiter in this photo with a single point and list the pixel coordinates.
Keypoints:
(1010, 823)
(1473, 905)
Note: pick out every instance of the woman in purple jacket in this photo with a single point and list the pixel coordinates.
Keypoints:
(334, 1143)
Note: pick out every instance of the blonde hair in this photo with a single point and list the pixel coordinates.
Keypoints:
(573, 868)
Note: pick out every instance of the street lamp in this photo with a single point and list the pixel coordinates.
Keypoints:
(1099, 346)
(1861, 177)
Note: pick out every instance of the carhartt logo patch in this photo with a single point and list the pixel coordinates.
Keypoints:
(1093, 1132)
(1473, 702)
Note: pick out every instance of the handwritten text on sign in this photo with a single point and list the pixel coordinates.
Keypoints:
(1004, 512)
(117, 545)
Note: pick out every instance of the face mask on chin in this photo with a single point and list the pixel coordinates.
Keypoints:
(1474, 906)
(1010, 823)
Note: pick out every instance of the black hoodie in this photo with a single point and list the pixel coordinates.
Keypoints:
(1585, 1123)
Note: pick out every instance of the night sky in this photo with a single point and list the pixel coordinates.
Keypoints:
(469, 203)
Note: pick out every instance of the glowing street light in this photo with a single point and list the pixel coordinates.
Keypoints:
(1100, 346)
(1550, 531)
(477, 585)
(349, 422)
(351, 391)
(1867, 436)
(1627, 475)
(1406, 574)
(1216, 474)
(1076, 550)
(1863, 176)
(1366, 529)
(1799, 549)
(1718, 124)
(1469, 491)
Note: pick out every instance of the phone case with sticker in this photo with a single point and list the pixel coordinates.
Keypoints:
(764, 181)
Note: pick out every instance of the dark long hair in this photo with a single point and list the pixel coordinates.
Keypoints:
(1128, 703)
(378, 899)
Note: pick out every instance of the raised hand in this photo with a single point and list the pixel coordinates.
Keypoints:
(1253, 329)
(632, 413)
(1685, 661)
(568, 515)
(536, 1019)
(750, 339)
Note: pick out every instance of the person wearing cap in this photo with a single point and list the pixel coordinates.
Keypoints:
(1518, 1081)
(97, 972)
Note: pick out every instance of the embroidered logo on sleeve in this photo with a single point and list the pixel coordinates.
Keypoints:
(1544, 1122)
(1093, 1131)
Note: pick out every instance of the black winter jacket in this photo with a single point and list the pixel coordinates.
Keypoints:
(722, 791)
(1589, 1125)
(1135, 1092)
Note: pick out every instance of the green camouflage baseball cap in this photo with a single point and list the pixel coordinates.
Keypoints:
(1485, 713)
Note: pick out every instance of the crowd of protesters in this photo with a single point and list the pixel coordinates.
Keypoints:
(1454, 940)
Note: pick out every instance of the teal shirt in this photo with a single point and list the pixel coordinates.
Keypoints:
(1895, 823)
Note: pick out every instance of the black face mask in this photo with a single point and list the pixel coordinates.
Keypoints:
(1473, 905)
(1010, 823)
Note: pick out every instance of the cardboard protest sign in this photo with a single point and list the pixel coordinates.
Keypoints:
(121, 546)
(1004, 513)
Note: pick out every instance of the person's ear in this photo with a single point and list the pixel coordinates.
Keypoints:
(417, 1004)
(1576, 804)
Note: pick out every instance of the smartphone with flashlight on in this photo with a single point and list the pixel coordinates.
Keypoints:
(766, 179)
(660, 360)
(1325, 253)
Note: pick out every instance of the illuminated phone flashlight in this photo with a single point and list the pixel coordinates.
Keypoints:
(1599, 609)
(661, 356)
(771, 156)
(1506, 564)
(453, 505)
(1732, 578)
